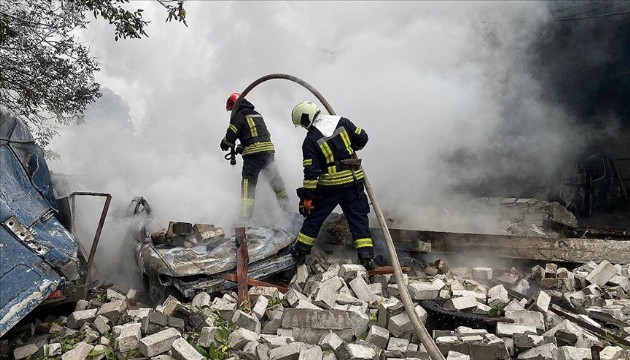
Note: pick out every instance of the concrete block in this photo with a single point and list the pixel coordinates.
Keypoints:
(102, 324)
(201, 300)
(319, 321)
(482, 273)
(325, 294)
(498, 296)
(246, 321)
(543, 352)
(267, 291)
(288, 352)
(620, 281)
(159, 342)
(129, 337)
(275, 341)
(356, 352)
(113, 310)
(240, 337)
(24, 351)
(330, 341)
(112, 294)
(614, 353)
(81, 305)
(397, 344)
(78, 318)
(527, 318)
(454, 355)
(154, 322)
(378, 336)
(361, 290)
(570, 353)
(602, 273)
(423, 290)
(260, 307)
(541, 301)
(350, 271)
(508, 329)
(51, 350)
(461, 303)
(79, 352)
(182, 350)
(138, 314)
(400, 324)
(311, 353)
(206, 336)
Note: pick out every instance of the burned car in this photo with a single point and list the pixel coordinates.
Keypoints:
(592, 182)
(185, 259)
(41, 261)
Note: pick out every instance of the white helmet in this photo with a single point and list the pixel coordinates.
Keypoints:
(304, 114)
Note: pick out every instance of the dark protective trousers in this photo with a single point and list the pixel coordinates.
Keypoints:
(354, 203)
(252, 166)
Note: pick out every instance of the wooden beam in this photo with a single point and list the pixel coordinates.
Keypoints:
(512, 247)
(242, 258)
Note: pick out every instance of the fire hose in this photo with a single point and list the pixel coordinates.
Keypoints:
(421, 331)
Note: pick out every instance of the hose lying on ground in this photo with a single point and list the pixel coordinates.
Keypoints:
(421, 331)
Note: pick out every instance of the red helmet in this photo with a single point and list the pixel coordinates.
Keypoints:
(229, 105)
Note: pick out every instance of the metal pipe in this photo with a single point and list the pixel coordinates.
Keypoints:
(101, 222)
(421, 331)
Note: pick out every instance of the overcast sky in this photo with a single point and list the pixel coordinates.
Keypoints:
(422, 78)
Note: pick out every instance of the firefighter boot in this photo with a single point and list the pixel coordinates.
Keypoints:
(368, 263)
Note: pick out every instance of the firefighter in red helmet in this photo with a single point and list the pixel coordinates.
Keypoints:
(249, 128)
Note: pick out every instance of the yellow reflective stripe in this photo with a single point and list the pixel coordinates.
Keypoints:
(282, 194)
(327, 153)
(305, 239)
(307, 162)
(245, 190)
(332, 169)
(258, 147)
(233, 128)
(252, 126)
(249, 202)
(340, 178)
(310, 184)
(358, 130)
(361, 243)
(346, 140)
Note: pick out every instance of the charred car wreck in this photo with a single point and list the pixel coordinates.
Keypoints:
(186, 258)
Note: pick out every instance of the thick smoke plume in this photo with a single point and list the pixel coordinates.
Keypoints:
(445, 91)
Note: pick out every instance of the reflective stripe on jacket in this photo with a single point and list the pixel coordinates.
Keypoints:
(323, 153)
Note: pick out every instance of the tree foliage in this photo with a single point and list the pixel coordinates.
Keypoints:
(46, 73)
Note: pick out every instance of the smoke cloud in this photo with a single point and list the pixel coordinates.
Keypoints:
(444, 90)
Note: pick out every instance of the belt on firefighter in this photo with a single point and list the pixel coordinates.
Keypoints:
(348, 164)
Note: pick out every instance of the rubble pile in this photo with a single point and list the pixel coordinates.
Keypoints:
(334, 310)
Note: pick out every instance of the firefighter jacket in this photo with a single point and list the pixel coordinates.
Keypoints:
(249, 127)
(329, 141)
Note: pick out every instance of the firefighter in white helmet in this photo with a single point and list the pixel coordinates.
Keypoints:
(332, 176)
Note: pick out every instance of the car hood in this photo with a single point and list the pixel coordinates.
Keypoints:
(218, 255)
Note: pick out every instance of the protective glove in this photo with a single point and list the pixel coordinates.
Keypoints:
(224, 145)
(239, 149)
(306, 207)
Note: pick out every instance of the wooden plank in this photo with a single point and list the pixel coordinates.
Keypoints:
(513, 247)
(253, 282)
(384, 270)
(242, 259)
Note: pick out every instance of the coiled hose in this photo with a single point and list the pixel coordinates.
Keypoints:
(421, 331)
